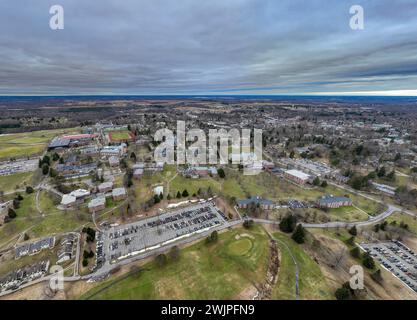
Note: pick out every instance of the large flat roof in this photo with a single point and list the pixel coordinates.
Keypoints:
(298, 174)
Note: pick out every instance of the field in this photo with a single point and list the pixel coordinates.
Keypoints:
(217, 271)
(312, 284)
(15, 181)
(398, 217)
(28, 143)
(120, 135)
(52, 221)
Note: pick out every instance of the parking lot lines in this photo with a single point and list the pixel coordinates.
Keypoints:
(128, 240)
(397, 258)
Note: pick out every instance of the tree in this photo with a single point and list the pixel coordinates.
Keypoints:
(299, 234)
(353, 231)
(29, 190)
(168, 197)
(174, 253)
(161, 259)
(11, 213)
(351, 241)
(221, 173)
(45, 169)
(324, 184)
(292, 154)
(26, 237)
(355, 252)
(85, 262)
(185, 193)
(55, 156)
(178, 195)
(288, 223)
(214, 236)
(368, 261)
(248, 223)
(343, 294)
(316, 181)
(133, 156)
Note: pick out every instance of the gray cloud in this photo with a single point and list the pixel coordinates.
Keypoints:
(217, 46)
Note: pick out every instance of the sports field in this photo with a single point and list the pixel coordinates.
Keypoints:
(120, 135)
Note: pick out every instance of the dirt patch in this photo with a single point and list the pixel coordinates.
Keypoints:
(264, 291)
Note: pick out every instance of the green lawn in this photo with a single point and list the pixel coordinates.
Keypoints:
(411, 221)
(28, 143)
(217, 271)
(54, 221)
(312, 284)
(15, 181)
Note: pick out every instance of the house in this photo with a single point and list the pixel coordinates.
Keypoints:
(119, 194)
(329, 201)
(97, 204)
(114, 161)
(263, 203)
(297, 176)
(105, 186)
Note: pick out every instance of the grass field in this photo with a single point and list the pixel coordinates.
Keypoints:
(217, 271)
(15, 181)
(312, 284)
(411, 221)
(53, 221)
(28, 143)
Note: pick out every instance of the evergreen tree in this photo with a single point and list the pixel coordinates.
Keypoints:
(299, 234)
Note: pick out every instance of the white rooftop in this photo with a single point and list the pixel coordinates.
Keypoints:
(68, 199)
(299, 174)
(79, 193)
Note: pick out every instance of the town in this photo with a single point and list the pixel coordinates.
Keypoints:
(333, 186)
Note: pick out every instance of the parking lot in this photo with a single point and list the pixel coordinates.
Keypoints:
(19, 166)
(128, 240)
(400, 260)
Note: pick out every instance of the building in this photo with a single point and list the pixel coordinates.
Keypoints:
(119, 194)
(59, 143)
(158, 190)
(114, 161)
(97, 204)
(80, 194)
(68, 201)
(105, 186)
(263, 203)
(34, 247)
(297, 176)
(329, 201)
(137, 173)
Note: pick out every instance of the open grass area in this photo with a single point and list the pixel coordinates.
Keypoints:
(312, 284)
(410, 221)
(15, 181)
(28, 143)
(216, 271)
(52, 222)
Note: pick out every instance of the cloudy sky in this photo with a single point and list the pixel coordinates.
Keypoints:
(208, 47)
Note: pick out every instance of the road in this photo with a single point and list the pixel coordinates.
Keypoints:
(338, 224)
